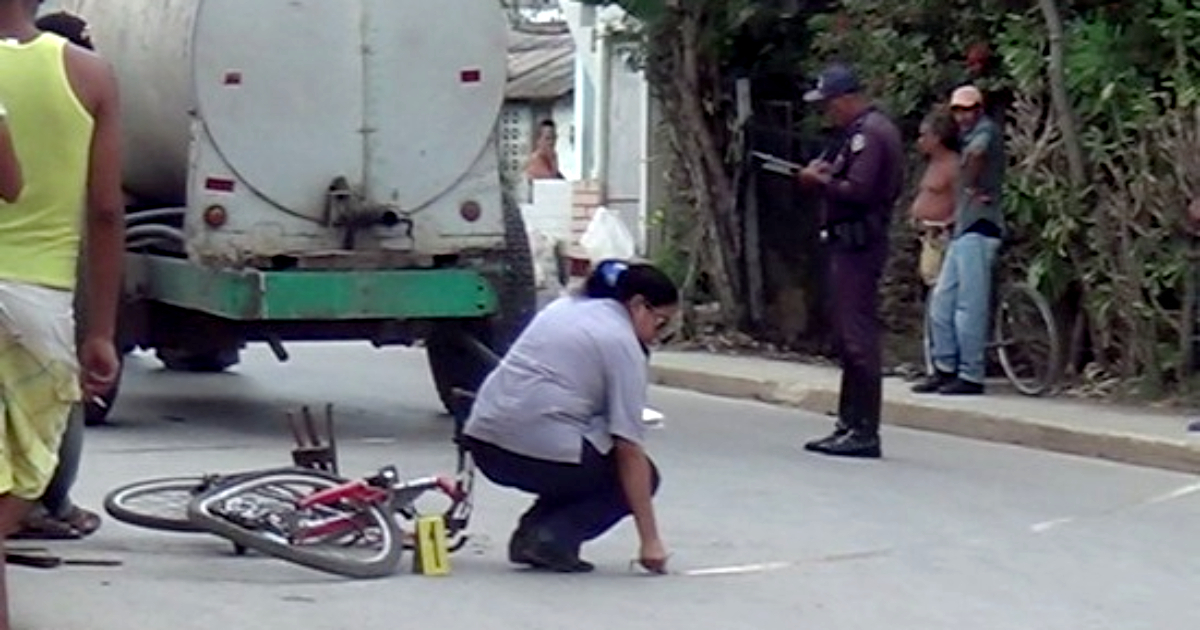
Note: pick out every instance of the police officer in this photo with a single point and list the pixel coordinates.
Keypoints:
(859, 182)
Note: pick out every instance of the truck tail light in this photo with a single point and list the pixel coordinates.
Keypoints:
(470, 211)
(215, 216)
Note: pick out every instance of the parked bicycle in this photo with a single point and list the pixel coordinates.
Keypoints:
(1024, 336)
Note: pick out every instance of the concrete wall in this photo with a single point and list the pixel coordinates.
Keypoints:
(626, 146)
(614, 105)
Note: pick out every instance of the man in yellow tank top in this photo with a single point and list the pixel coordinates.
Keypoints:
(64, 121)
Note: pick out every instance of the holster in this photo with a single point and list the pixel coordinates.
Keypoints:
(853, 235)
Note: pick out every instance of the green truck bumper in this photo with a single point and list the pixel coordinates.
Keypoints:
(249, 295)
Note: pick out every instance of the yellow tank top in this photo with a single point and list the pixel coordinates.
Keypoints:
(52, 134)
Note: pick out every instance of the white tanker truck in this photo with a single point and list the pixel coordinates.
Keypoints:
(314, 170)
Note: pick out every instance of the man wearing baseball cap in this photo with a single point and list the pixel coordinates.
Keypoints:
(859, 183)
(961, 298)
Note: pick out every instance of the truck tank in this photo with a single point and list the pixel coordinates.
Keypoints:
(398, 97)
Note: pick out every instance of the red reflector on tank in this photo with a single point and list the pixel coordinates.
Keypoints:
(217, 184)
(233, 78)
(471, 75)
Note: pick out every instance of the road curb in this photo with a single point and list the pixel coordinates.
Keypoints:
(1138, 450)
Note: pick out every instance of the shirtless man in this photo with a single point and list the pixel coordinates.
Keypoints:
(62, 106)
(933, 209)
(543, 163)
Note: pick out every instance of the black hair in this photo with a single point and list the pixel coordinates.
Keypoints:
(68, 26)
(941, 124)
(622, 281)
(548, 123)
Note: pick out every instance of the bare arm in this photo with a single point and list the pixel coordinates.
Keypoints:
(974, 157)
(972, 166)
(637, 480)
(104, 221)
(626, 381)
(11, 180)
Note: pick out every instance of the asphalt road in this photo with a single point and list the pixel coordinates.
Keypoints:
(944, 533)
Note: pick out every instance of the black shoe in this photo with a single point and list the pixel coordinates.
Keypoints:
(856, 445)
(819, 445)
(960, 387)
(540, 553)
(518, 546)
(933, 383)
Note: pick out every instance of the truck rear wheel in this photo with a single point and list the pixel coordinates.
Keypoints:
(205, 361)
(453, 362)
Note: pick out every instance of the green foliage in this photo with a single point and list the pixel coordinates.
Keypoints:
(1112, 254)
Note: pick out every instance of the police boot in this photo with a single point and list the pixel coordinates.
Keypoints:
(819, 445)
(855, 444)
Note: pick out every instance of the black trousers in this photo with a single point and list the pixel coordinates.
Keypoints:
(575, 502)
(854, 313)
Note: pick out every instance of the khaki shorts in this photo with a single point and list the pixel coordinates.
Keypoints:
(934, 240)
(36, 396)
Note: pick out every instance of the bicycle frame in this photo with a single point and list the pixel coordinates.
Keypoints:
(385, 488)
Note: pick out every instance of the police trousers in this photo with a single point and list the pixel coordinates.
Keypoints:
(854, 277)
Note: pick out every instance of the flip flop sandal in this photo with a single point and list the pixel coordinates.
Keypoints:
(84, 522)
(45, 527)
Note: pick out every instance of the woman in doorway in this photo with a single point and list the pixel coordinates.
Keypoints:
(561, 418)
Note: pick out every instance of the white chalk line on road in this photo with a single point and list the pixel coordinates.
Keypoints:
(1166, 497)
(1037, 528)
(764, 567)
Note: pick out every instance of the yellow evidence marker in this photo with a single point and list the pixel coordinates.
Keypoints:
(432, 550)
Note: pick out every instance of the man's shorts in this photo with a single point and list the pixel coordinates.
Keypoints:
(39, 383)
(934, 241)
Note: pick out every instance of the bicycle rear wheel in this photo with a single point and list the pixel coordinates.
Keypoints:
(158, 503)
(1027, 340)
(264, 512)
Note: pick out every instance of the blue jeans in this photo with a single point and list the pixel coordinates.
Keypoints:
(960, 305)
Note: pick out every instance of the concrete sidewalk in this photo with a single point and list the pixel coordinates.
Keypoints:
(1131, 435)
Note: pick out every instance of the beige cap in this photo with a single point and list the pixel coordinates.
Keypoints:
(966, 96)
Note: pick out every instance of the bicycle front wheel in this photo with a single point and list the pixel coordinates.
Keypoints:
(264, 512)
(1027, 340)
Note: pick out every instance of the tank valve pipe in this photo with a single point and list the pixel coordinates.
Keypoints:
(154, 215)
(159, 231)
(276, 345)
(480, 349)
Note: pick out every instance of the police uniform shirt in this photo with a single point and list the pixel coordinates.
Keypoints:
(867, 170)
